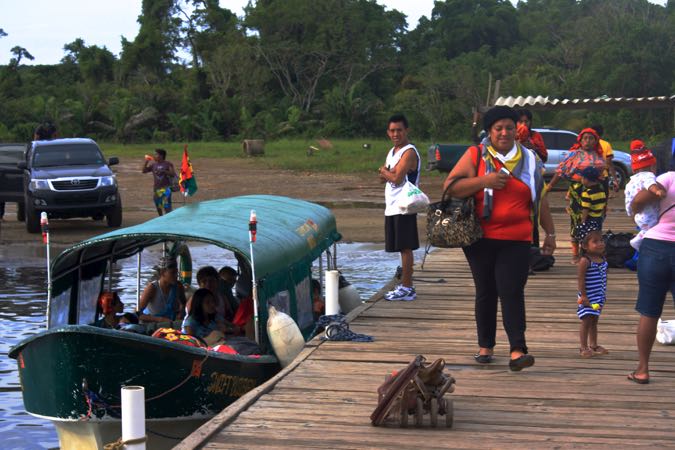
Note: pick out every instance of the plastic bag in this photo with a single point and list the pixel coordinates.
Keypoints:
(412, 200)
(665, 332)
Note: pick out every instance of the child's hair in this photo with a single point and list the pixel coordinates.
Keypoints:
(583, 232)
(197, 305)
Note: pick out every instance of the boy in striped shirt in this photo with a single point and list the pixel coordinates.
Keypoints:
(593, 197)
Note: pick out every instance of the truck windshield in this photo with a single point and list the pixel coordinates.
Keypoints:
(67, 155)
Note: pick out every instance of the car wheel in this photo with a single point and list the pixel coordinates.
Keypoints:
(114, 216)
(32, 219)
(20, 212)
(621, 176)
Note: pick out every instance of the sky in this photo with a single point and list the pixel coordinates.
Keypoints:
(43, 27)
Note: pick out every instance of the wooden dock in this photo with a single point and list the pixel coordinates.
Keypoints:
(324, 399)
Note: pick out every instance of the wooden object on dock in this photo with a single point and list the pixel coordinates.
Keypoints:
(254, 147)
(416, 390)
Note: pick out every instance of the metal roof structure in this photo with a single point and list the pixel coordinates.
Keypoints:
(603, 102)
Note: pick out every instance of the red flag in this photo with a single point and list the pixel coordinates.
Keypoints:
(187, 181)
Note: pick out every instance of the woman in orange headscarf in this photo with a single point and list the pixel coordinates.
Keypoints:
(109, 304)
(585, 153)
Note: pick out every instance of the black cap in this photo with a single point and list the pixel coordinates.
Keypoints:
(498, 113)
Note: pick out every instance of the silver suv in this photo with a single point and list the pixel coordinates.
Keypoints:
(558, 143)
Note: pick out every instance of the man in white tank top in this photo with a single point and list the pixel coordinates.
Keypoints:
(400, 230)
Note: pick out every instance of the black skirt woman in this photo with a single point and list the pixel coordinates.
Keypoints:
(507, 187)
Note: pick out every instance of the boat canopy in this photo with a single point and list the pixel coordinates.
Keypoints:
(289, 230)
(291, 234)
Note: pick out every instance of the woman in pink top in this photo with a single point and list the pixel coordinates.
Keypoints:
(656, 271)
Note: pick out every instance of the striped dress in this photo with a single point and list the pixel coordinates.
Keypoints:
(596, 288)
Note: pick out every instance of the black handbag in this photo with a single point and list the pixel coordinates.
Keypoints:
(452, 222)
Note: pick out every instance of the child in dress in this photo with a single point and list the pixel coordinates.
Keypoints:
(643, 164)
(592, 282)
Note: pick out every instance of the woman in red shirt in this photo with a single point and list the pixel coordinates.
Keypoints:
(507, 187)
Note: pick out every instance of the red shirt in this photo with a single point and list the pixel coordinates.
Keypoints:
(511, 217)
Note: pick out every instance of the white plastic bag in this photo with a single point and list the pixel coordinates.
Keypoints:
(665, 332)
(412, 200)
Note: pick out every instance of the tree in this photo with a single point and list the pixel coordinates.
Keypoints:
(152, 51)
(96, 64)
(305, 43)
(460, 26)
(19, 53)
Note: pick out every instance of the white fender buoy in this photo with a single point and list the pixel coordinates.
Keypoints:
(284, 335)
(332, 289)
(133, 416)
(348, 296)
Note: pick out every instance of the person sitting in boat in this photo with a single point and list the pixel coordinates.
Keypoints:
(129, 322)
(318, 303)
(228, 277)
(163, 300)
(207, 278)
(109, 304)
(201, 322)
(243, 288)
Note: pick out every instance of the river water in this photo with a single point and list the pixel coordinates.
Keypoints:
(23, 303)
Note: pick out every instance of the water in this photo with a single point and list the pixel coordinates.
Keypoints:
(23, 304)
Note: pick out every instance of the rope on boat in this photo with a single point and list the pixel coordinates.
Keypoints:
(120, 444)
(94, 399)
(162, 435)
(190, 375)
(337, 329)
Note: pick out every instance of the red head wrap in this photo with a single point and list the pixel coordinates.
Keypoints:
(107, 301)
(597, 147)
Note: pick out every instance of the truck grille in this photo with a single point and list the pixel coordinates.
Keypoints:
(75, 184)
(77, 199)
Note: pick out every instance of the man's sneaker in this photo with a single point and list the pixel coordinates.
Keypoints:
(401, 293)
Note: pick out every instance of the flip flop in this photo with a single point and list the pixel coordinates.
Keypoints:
(634, 379)
(483, 359)
(520, 363)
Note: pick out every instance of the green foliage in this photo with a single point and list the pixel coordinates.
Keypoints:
(294, 69)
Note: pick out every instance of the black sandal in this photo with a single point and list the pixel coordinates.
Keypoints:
(483, 359)
(521, 362)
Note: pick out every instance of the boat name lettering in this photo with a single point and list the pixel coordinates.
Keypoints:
(230, 385)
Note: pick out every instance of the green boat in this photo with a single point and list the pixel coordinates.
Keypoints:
(72, 373)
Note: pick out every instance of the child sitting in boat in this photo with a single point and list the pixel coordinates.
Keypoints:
(201, 322)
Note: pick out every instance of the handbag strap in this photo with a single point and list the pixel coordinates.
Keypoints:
(666, 210)
(479, 149)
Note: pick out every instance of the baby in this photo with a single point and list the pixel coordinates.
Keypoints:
(643, 164)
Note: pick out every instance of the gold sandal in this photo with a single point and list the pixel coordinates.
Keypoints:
(585, 352)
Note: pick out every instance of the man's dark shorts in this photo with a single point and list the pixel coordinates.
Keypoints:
(400, 233)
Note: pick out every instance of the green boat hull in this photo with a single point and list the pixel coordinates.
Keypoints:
(76, 372)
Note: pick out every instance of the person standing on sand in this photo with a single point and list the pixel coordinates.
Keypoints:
(400, 230)
(162, 172)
